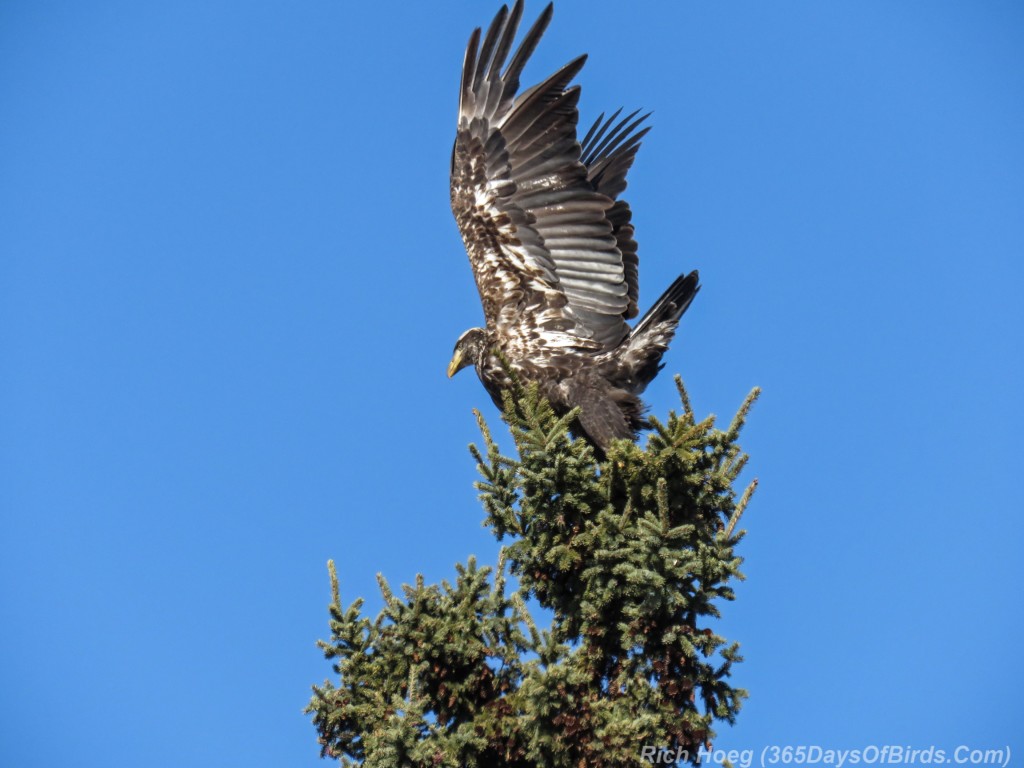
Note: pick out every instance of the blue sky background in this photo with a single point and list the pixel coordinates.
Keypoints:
(230, 284)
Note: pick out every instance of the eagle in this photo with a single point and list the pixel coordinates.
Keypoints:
(551, 243)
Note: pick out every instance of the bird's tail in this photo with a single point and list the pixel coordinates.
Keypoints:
(672, 304)
(652, 335)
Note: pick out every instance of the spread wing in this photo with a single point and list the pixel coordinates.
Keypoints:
(550, 247)
(608, 156)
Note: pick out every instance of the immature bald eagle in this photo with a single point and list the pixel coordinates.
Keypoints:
(550, 244)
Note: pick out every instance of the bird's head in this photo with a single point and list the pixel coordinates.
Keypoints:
(469, 350)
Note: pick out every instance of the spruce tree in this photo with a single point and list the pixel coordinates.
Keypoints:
(629, 557)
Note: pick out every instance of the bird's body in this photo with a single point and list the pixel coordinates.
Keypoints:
(550, 243)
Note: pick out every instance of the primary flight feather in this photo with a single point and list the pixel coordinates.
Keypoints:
(550, 243)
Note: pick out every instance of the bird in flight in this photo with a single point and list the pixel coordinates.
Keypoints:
(550, 242)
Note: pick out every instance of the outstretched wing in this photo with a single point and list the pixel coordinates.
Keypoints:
(608, 157)
(544, 234)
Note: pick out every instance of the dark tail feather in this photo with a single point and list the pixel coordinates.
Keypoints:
(672, 304)
(652, 335)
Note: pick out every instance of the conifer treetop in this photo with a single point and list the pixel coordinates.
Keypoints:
(632, 558)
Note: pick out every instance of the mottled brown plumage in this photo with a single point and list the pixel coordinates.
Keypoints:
(550, 243)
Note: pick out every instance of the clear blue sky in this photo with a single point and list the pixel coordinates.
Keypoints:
(230, 284)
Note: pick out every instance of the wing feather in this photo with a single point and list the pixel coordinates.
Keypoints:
(608, 158)
(551, 248)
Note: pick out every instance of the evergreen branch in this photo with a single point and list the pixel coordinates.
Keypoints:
(484, 429)
(524, 615)
(663, 431)
(661, 496)
(684, 397)
(740, 507)
(335, 591)
(690, 432)
(741, 415)
(385, 591)
(735, 468)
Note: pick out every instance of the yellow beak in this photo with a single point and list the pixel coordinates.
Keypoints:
(455, 364)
